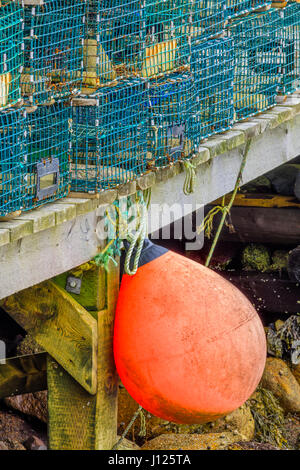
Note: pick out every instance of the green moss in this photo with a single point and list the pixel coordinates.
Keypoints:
(256, 257)
(280, 259)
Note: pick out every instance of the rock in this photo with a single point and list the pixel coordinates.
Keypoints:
(212, 441)
(32, 404)
(239, 421)
(3, 446)
(296, 372)
(256, 257)
(34, 443)
(279, 379)
(28, 346)
(128, 445)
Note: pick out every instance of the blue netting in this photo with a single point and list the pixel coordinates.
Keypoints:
(12, 160)
(11, 56)
(169, 108)
(289, 49)
(48, 154)
(212, 65)
(146, 38)
(239, 7)
(256, 69)
(54, 33)
(109, 136)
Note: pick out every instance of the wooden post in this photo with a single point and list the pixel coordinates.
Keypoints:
(78, 420)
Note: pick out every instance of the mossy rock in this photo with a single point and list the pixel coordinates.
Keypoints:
(256, 257)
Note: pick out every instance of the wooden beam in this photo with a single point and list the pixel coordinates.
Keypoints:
(61, 326)
(24, 374)
(78, 420)
(262, 225)
(260, 200)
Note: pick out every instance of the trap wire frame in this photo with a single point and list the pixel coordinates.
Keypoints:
(145, 38)
(257, 72)
(289, 48)
(212, 110)
(11, 52)
(109, 135)
(236, 8)
(12, 160)
(48, 153)
(53, 38)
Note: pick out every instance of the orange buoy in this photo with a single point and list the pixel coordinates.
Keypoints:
(189, 347)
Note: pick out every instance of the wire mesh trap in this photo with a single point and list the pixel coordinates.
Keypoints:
(110, 136)
(170, 109)
(48, 153)
(145, 38)
(289, 48)
(257, 72)
(239, 7)
(11, 55)
(12, 160)
(53, 36)
(212, 110)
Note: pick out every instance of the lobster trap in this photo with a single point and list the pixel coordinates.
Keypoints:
(257, 71)
(12, 160)
(48, 153)
(241, 7)
(289, 48)
(109, 132)
(145, 38)
(212, 110)
(53, 37)
(170, 103)
(11, 54)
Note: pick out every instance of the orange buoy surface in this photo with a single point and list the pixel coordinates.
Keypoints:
(189, 347)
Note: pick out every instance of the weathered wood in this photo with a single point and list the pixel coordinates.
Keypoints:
(78, 420)
(48, 253)
(107, 393)
(260, 200)
(24, 374)
(261, 225)
(61, 326)
(266, 291)
(294, 265)
(93, 286)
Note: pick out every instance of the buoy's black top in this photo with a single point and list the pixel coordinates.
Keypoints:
(149, 253)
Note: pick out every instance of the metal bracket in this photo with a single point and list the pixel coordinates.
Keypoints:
(176, 132)
(43, 169)
(73, 285)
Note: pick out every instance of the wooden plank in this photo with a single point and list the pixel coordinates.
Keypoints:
(61, 326)
(108, 380)
(46, 254)
(42, 219)
(71, 411)
(78, 420)
(262, 224)
(93, 286)
(24, 374)
(17, 228)
(260, 200)
(4, 237)
(267, 292)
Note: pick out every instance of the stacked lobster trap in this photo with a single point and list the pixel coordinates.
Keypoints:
(236, 8)
(257, 64)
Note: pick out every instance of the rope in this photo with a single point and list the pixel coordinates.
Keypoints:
(229, 206)
(190, 178)
(136, 241)
(129, 426)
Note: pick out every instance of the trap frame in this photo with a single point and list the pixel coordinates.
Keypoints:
(11, 53)
(109, 134)
(48, 153)
(12, 160)
(257, 72)
(53, 36)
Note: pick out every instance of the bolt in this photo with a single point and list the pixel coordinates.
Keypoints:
(73, 284)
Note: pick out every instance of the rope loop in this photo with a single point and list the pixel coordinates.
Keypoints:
(190, 178)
